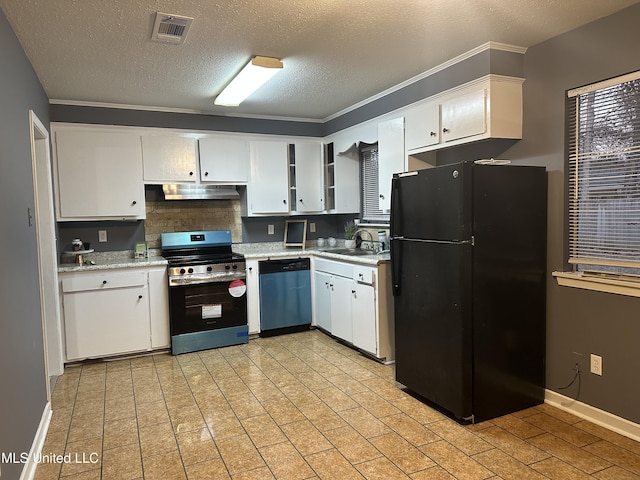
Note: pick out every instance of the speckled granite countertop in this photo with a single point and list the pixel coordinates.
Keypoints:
(278, 250)
(111, 260)
(124, 259)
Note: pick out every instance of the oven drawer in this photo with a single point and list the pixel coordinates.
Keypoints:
(103, 281)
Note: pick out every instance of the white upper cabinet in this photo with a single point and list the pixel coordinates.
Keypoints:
(169, 158)
(341, 181)
(224, 159)
(464, 116)
(305, 171)
(268, 187)
(422, 127)
(490, 107)
(98, 175)
(391, 157)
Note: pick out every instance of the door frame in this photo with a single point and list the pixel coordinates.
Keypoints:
(47, 251)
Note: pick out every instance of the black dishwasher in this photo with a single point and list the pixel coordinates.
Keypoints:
(285, 296)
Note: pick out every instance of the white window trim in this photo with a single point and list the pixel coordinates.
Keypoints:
(619, 284)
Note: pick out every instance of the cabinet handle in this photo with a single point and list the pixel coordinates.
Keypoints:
(139, 297)
(134, 202)
(190, 173)
(445, 130)
(433, 134)
(104, 282)
(206, 174)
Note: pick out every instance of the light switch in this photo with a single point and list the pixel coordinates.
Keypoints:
(270, 230)
(102, 235)
(312, 227)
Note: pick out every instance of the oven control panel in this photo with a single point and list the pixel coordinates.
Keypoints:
(217, 272)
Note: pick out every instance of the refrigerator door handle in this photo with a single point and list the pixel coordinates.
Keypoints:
(395, 249)
(394, 218)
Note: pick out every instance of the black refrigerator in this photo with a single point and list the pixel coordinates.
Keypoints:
(468, 253)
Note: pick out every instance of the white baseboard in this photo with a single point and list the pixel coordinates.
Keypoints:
(594, 415)
(29, 469)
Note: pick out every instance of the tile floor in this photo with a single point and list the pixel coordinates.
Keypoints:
(300, 406)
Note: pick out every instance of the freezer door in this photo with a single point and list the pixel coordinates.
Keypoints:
(432, 204)
(432, 285)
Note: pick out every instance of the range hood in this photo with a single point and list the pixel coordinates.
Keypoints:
(200, 192)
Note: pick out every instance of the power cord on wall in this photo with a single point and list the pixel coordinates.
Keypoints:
(577, 377)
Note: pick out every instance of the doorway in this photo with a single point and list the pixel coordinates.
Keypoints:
(47, 251)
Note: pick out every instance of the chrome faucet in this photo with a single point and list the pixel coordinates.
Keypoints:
(376, 245)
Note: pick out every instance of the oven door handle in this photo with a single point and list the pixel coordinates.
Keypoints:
(203, 280)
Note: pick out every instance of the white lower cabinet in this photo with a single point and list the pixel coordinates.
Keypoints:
(253, 295)
(322, 296)
(110, 312)
(364, 314)
(341, 317)
(352, 302)
(159, 308)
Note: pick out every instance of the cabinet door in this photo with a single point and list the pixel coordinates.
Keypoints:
(159, 308)
(464, 116)
(98, 175)
(169, 158)
(391, 157)
(343, 173)
(308, 177)
(268, 187)
(106, 322)
(253, 296)
(341, 323)
(323, 300)
(363, 305)
(422, 126)
(224, 159)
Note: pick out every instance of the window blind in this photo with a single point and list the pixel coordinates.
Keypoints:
(369, 193)
(604, 175)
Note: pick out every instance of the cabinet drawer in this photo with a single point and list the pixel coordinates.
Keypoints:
(335, 268)
(364, 275)
(103, 281)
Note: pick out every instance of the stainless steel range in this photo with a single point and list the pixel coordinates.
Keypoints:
(207, 291)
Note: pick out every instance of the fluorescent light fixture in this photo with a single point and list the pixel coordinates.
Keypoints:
(251, 77)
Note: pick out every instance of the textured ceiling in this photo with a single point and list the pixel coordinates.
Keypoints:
(336, 52)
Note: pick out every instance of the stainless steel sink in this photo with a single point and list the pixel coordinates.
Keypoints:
(352, 251)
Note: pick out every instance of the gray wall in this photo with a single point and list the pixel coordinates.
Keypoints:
(22, 371)
(580, 320)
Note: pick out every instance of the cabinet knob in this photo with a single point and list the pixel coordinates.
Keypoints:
(445, 130)
(104, 282)
(382, 196)
(139, 297)
(433, 134)
(301, 201)
(353, 291)
(284, 201)
(250, 268)
(190, 174)
(206, 174)
(134, 202)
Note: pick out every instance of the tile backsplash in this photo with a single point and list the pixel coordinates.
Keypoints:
(190, 215)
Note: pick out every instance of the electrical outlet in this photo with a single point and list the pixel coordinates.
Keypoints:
(312, 227)
(596, 364)
(102, 236)
(270, 230)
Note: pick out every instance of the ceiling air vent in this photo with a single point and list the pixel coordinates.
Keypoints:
(170, 28)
